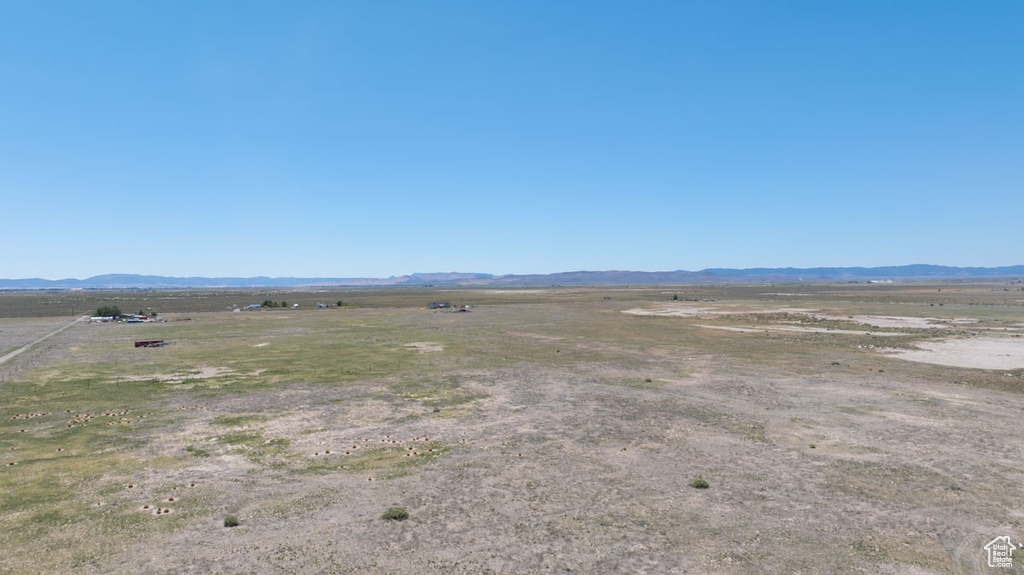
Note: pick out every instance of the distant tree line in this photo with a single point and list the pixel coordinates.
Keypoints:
(269, 303)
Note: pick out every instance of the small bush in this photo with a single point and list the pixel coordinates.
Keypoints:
(230, 521)
(197, 451)
(648, 380)
(396, 513)
(699, 483)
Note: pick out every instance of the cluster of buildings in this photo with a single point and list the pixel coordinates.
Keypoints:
(252, 306)
(125, 317)
(448, 306)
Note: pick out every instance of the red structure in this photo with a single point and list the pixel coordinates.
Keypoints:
(150, 343)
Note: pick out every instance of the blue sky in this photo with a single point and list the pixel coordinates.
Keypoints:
(344, 139)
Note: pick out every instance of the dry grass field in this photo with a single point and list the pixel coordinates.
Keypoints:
(839, 429)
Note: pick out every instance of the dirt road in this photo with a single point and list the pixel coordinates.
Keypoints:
(29, 345)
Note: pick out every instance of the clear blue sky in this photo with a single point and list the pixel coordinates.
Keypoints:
(344, 138)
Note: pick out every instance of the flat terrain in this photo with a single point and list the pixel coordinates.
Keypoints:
(840, 429)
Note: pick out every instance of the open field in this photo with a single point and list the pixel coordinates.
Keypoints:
(841, 429)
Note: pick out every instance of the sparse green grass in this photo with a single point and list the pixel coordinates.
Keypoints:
(437, 397)
(99, 377)
(245, 438)
(358, 354)
(383, 461)
(390, 461)
(395, 514)
(197, 451)
(238, 420)
(254, 445)
(755, 432)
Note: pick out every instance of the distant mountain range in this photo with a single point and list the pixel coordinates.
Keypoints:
(578, 278)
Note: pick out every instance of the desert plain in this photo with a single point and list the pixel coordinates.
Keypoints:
(846, 428)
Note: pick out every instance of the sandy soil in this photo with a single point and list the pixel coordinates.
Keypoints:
(764, 328)
(687, 310)
(979, 352)
(556, 472)
(899, 321)
(693, 310)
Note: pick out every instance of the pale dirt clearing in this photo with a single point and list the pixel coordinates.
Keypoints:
(763, 328)
(558, 471)
(688, 310)
(901, 321)
(198, 373)
(536, 336)
(979, 353)
(693, 310)
(685, 310)
(425, 346)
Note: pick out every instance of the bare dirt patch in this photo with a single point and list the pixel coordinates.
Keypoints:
(198, 373)
(687, 310)
(536, 336)
(558, 472)
(904, 322)
(425, 346)
(698, 310)
(764, 328)
(979, 353)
